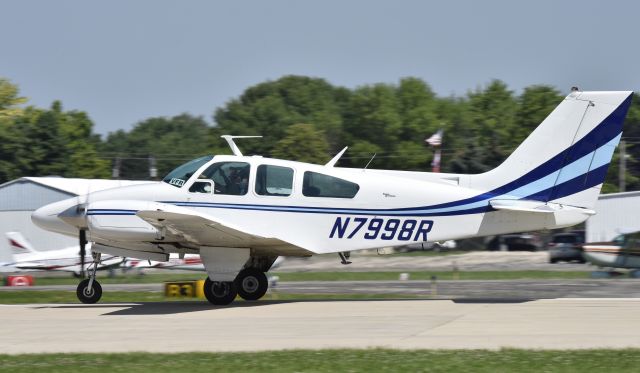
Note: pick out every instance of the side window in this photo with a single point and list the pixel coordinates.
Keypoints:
(320, 185)
(633, 240)
(201, 186)
(231, 178)
(274, 180)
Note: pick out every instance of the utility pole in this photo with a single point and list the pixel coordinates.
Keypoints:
(153, 170)
(623, 166)
(115, 172)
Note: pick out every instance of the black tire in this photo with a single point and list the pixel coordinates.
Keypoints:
(553, 261)
(219, 293)
(252, 284)
(88, 295)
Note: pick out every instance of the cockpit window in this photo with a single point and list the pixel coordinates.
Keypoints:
(230, 178)
(274, 180)
(180, 175)
(320, 185)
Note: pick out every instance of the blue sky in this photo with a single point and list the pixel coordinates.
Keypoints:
(125, 61)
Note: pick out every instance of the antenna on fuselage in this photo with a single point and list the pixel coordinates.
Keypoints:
(335, 159)
(370, 160)
(232, 144)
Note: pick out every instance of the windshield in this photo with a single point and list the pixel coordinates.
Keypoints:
(180, 175)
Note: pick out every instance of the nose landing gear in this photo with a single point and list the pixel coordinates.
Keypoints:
(89, 290)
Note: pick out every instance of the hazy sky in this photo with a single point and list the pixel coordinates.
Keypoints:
(125, 61)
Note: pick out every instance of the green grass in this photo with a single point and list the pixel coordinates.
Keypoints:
(344, 360)
(55, 296)
(124, 279)
(335, 276)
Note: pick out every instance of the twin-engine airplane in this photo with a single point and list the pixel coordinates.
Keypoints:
(241, 212)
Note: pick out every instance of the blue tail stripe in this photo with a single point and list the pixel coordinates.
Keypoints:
(573, 186)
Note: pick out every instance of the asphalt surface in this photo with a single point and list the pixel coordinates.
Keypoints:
(165, 327)
(494, 289)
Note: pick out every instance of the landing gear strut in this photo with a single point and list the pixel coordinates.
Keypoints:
(219, 293)
(89, 290)
(251, 283)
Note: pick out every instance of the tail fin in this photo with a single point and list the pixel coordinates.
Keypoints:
(19, 244)
(565, 159)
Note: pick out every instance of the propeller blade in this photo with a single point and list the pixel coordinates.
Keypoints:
(83, 252)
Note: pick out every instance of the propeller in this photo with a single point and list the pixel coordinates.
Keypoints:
(77, 216)
(83, 252)
(81, 215)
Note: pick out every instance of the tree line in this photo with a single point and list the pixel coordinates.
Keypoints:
(300, 118)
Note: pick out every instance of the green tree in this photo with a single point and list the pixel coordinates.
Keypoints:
(60, 143)
(534, 105)
(631, 136)
(269, 108)
(492, 114)
(373, 116)
(10, 99)
(171, 141)
(303, 143)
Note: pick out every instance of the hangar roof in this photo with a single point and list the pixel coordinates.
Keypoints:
(77, 186)
(30, 193)
(635, 193)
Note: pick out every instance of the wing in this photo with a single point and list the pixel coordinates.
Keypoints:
(189, 226)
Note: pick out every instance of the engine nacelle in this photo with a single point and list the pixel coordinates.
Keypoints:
(117, 221)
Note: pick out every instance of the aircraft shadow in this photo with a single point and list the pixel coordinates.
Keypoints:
(168, 308)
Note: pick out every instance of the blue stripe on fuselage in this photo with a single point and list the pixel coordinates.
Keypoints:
(579, 167)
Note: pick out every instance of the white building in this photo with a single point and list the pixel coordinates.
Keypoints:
(617, 213)
(20, 197)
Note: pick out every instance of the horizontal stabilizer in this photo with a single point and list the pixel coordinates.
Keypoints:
(535, 206)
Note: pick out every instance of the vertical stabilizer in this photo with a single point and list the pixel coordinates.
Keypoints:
(565, 159)
(19, 244)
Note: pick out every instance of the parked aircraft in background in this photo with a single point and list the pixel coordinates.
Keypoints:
(241, 212)
(26, 258)
(622, 252)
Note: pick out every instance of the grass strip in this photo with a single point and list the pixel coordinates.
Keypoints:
(343, 360)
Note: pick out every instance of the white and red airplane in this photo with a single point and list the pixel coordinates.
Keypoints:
(26, 258)
(241, 212)
(622, 252)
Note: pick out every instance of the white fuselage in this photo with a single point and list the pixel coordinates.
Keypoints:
(386, 211)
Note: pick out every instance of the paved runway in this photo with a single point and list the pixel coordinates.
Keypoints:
(271, 325)
(511, 289)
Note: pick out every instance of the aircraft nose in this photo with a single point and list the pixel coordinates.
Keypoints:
(47, 218)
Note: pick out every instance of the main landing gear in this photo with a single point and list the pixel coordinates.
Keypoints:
(250, 284)
(89, 290)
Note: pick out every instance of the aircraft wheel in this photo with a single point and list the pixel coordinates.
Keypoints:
(252, 284)
(219, 293)
(89, 295)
